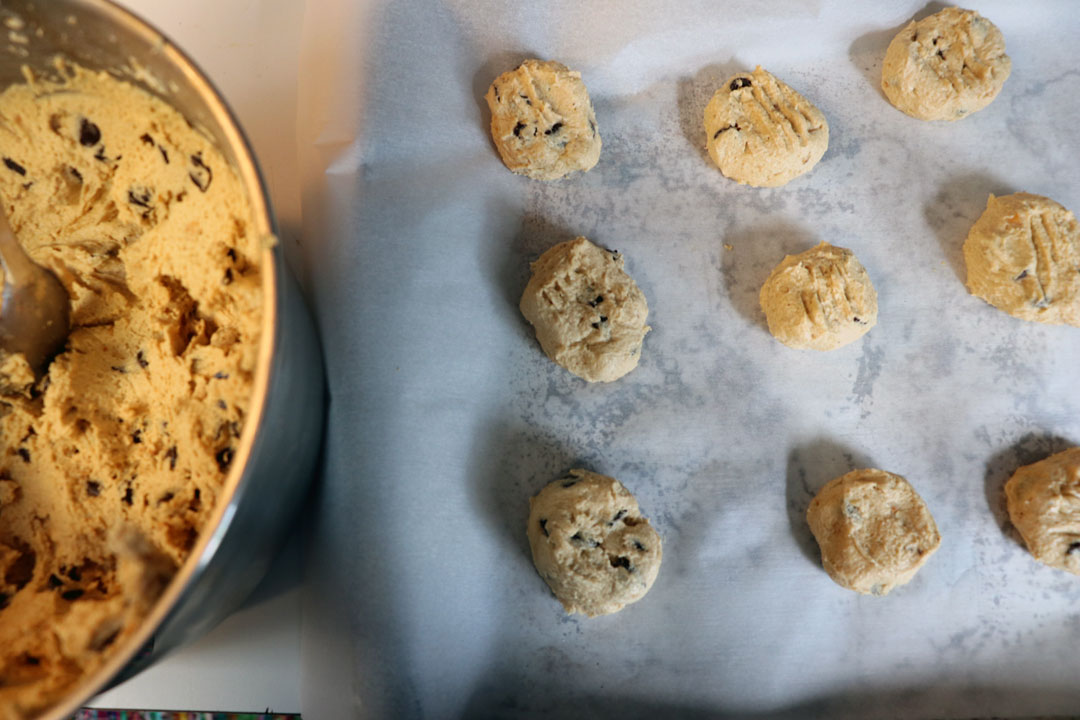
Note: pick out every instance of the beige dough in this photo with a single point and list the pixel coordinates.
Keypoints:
(542, 121)
(1023, 257)
(588, 313)
(874, 530)
(111, 465)
(1044, 505)
(591, 544)
(820, 299)
(945, 66)
(762, 133)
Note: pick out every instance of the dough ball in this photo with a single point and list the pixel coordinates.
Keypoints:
(591, 544)
(762, 133)
(1044, 505)
(1023, 257)
(821, 299)
(588, 313)
(946, 66)
(873, 529)
(542, 121)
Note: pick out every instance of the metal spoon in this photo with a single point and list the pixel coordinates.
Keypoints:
(35, 314)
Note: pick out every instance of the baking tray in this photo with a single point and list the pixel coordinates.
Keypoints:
(446, 416)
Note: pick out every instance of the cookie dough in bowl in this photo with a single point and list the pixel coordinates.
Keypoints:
(113, 462)
(542, 121)
(589, 315)
(945, 66)
(760, 132)
(1044, 505)
(874, 530)
(820, 299)
(1023, 257)
(591, 544)
(147, 479)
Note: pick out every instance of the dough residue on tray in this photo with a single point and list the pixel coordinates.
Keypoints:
(111, 463)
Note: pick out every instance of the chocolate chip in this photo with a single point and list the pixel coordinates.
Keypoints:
(599, 299)
(128, 496)
(164, 154)
(89, 133)
(136, 437)
(603, 318)
(228, 277)
(618, 516)
(221, 404)
(221, 376)
(14, 166)
(553, 129)
(72, 594)
(24, 454)
(31, 659)
(518, 128)
(543, 527)
(140, 196)
(224, 458)
(623, 562)
(1022, 275)
(55, 582)
(140, 357)
(526, 99)
(93, 488)
(74, 574)
(118, 368)
(170, 455)
(145, 137)
(200, 173)
(739, 83)
(639, 546)
(596, 326)
(3, 600)
(1074, 547)
(941, 54)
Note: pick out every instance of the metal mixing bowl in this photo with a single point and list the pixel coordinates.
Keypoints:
(279, 444)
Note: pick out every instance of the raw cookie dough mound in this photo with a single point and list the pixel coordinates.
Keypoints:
(588, 313)
(946, 66)
(1044, 505)
(762, 133)
(873, 529)
(821, 299)
(1023, 257)
(542, 121)
(591, 544)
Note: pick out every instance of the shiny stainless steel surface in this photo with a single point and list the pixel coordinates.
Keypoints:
(280, 442)
(35, 310)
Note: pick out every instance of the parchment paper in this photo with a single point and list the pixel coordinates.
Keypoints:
(446, 416)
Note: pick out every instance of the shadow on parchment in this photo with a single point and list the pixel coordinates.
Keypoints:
(693, 94)
(497, 700)
(754, 252)
(809, 468)
(955, 208)
(867, 52)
